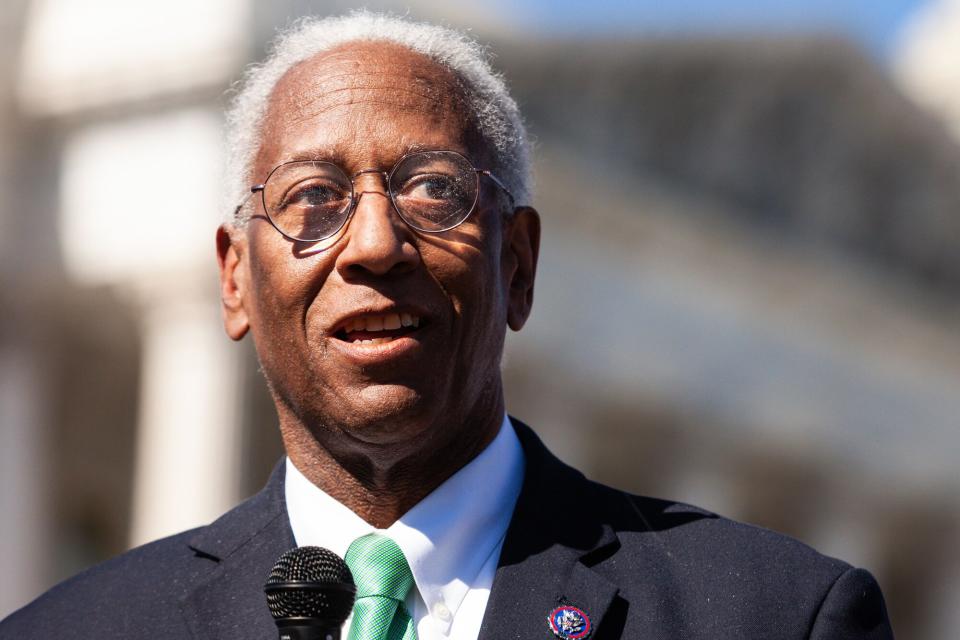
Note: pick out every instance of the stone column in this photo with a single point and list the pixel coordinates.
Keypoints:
(24, 508)
(189, 438)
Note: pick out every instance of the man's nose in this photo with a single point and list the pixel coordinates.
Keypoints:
(377, 241)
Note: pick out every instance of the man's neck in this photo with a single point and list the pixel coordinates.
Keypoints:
(381, 483)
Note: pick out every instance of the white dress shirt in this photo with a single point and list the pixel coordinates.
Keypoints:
(451, 539)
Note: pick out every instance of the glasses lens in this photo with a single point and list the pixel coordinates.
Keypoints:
(434, 190)
(307, 200)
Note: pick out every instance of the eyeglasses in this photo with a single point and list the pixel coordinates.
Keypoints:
(432, 191)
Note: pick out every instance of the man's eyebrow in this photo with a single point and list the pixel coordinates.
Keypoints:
(327, 154)
(337, 155)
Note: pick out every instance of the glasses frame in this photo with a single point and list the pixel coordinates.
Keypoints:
(355, 196)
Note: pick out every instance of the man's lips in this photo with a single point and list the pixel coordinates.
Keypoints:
(380, 338)
(377, 328)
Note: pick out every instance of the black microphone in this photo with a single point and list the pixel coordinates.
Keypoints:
(310, 594)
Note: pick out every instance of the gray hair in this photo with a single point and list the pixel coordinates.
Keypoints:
(496, 113)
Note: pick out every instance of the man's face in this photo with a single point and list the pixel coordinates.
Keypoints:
(316, 310)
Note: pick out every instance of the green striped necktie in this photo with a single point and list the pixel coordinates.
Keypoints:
(383, 581)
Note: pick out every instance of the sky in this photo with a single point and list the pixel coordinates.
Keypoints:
(873, 23)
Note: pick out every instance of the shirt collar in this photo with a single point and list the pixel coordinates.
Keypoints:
(447, 537)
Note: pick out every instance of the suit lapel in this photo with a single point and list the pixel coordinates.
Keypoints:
(237, 552)
(552, 540)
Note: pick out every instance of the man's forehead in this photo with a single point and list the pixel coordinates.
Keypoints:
(370, 76)
(350, 91)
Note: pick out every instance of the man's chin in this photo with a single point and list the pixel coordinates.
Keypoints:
(388, 414)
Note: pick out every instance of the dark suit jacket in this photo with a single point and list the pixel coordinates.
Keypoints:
(638, 567)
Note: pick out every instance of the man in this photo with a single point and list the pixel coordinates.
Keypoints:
(384, 244)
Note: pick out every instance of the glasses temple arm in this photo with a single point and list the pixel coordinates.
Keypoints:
(246, 198)
(499, 183)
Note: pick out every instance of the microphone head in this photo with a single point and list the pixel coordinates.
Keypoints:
(310, 584)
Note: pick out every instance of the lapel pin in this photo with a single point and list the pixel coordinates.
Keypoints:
(569, 623)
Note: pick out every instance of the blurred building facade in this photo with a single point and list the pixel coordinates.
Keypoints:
(747, 297)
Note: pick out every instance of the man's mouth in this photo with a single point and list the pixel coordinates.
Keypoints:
(377, 328)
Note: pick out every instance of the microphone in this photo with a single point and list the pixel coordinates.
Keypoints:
(310, 594)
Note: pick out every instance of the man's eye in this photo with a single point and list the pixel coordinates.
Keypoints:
(315, 195)
(431, 187)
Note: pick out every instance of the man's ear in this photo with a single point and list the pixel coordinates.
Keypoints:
(231, 256)
(522, 241)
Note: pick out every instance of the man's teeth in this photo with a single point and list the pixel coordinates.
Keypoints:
(386, 322)
(392, 321)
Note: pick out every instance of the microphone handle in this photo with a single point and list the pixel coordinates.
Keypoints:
(307, 629)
